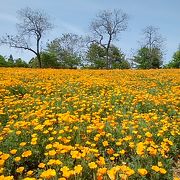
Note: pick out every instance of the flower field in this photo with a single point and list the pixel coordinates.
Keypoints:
(89, 124)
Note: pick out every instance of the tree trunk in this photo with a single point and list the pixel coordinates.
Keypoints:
(107, 58)
(39, 60)
(38, 52)
(107, 52)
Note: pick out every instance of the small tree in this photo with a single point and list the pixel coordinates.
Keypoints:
(68, 49)
(32, 27)
(96, 57)
(175, 62)
(150, 54)
(147, 59)
(3, 62)
(10, 61)
(106, 28)
(20, 63)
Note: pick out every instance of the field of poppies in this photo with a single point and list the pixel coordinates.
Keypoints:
(89, 124)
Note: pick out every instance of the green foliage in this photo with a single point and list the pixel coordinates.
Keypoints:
(10, 61)
(175, 62)
(17, 90)
(69, 60)
(121, 65)
(66, 50)
(49, 60)
(20, 63)
(96, 57)
(148, 58)
(3, 62)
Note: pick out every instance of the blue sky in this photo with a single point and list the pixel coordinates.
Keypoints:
(75, 16)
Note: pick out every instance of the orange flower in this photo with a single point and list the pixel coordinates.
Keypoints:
(110, 151)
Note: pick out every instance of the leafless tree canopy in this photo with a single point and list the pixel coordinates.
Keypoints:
(152, 38)
(107, 26)
(33, 25)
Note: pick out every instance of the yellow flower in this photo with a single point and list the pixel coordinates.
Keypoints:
(66, 172)
(78, 169)
(142, 172)
(20, 169)
(75, 154)
(52, 153)
(122, 152)
(111, 173)
(2, 177)
(5, 156)
(105, 143)
(22, 144)
(140, 148)
(2, 162)
(160, 164)
(101, 171)
(41, 165)
(92, 165)
(29, 178)
(1, 170)
(18, 132)
(29, 173)
(13, 151)
(148, 134)
(155, 168)
(101, 161)
(48, 174)
(112, 158)
(162, 171)
(26, 153)
(17, 159)
(130, 172)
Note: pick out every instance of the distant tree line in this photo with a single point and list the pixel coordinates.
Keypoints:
(10, 62)
(96, 51)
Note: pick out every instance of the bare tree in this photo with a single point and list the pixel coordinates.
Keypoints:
(152, 38)
(32, 27)
(106, 28)
(154, 42)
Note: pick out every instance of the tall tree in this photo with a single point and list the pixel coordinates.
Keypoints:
(106, 27)
(150, 54)
(32, 27)
(68, 49)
